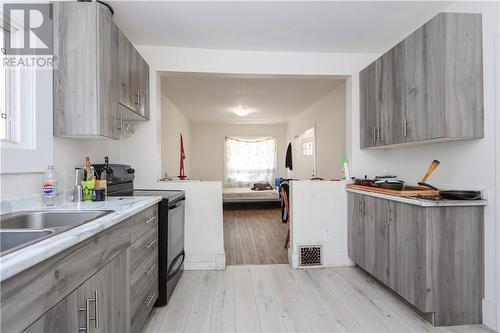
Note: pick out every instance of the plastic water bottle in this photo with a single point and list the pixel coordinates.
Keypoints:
(49, 187)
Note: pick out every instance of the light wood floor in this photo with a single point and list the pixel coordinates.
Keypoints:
(274, 298)
(254, 236)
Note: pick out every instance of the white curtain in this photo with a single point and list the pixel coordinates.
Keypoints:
(249, 160)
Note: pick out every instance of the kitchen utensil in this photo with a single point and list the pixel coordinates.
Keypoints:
(430, 170)
(460, 195)
(448, 194)
(78, 176)
(98, 194)
(391, 184)
(363, 182)
(87, 168)
(78, 193)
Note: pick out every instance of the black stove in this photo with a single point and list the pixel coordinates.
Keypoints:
(119, 178)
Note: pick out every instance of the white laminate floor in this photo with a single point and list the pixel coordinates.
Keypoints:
(274, 298)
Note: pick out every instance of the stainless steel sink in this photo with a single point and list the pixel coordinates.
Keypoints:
(11, 239)
(48, 219)
(23, 228)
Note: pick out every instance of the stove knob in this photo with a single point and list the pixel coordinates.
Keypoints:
(130, 170)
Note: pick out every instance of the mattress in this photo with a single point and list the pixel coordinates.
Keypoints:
(241, 194)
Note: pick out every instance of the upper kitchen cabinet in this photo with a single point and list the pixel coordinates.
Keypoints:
(134, 82)
(428, 88)
(86, 80)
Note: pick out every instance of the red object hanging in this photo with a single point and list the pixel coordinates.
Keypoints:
(182, 175)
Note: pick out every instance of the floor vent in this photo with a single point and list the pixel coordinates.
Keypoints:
(310, 255)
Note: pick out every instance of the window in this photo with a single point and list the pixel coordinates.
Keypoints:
(307, 148)
(249, 160)
(25, 113)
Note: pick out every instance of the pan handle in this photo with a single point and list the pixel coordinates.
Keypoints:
(428, 185)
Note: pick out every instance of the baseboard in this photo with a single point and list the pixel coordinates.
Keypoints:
(205, 262)
(489, 314)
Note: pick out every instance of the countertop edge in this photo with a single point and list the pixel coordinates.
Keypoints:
(422, 202)
(23, 259)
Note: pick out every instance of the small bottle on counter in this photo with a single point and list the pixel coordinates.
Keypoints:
(49, 187)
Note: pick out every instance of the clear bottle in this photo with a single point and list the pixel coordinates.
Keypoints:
(49, 187)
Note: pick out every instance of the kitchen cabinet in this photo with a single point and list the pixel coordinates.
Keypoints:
(371, 238)
(86, 77)
(429, 87)
(391, 88)
(368, 106)
(113, 273)
(98, 305)
(134, 82)
(431, 256)
(410, 255)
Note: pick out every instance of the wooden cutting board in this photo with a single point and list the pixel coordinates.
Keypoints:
(409, 191)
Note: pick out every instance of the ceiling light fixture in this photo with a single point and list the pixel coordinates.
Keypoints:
(241, 112)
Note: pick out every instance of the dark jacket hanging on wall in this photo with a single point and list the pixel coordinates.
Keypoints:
(288, 157)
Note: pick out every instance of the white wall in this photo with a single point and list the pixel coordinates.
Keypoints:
(207, 147)
(204, 233)
(328, 117)
(319, 217)
(68, 154)
(173, 124)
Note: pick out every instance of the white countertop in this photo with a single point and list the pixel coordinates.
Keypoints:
(123, 207)
(422, 202)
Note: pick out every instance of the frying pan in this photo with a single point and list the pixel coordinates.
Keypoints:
(390, 184)
(448, 194)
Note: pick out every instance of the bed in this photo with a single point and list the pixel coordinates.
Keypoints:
(246, 194)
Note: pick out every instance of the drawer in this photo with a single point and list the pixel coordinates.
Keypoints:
(142, 222)
(143, 249)
(146, 271)
(141, 305)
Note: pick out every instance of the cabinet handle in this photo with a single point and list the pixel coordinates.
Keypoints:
(379, 131)
(150, 244)
(405, 126)
(374, 134)
(88, 318)
(150, 269)
(150, 299)
(149, 220)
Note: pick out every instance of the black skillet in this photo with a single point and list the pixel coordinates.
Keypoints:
(448, 194)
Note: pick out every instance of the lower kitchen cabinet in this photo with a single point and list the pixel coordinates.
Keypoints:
(431, 256)
(98, 305)
(410, 271)
(108, 283)
(370, 235)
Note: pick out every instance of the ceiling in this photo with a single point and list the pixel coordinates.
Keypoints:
(336, 27)
(205, 98)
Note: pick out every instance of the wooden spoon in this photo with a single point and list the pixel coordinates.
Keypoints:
(431, 169)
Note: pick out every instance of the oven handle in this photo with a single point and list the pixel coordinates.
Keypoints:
(183, 254)
(178, 204)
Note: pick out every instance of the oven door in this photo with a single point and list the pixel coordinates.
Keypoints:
(175, 242)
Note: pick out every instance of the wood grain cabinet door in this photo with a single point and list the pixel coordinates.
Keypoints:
(352, 217)
(423, 52)
(62, 318)
(104, 298)
(107, 83)
(98, 305)
(390, 98)
(368, 106)
(143, 87)
(129, 74)
(410, 262)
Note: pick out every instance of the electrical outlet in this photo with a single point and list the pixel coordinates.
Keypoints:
(328, 236)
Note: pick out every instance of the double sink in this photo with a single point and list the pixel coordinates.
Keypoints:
(20, 229)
